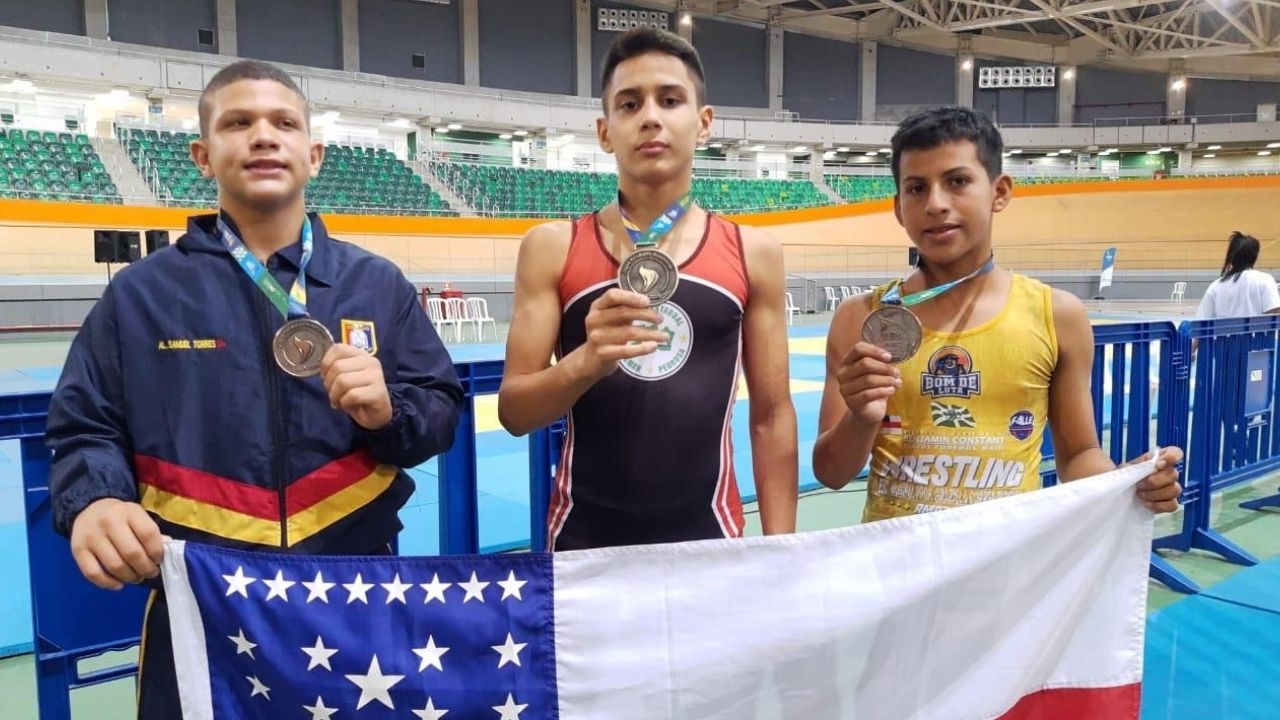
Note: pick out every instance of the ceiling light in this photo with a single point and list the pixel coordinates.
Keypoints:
(1178, 84)
(442, 130)
(1015, 152)
(400, 122)
(842, 149)
(966, 65)
(454, 126)
(717, 146)
(686, 19)
(1052, 154)
(1264, 153)
(1165, 149)
(520, 133)
(504, 136)
(886, 151)
(1210, 155)
(1273, 145)
(19, 85)
(873, 153)
(1065, 151)
(799, 149)
(1069, 73)
(1215, 147)
(757, 148)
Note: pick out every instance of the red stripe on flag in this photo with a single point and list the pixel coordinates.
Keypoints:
(207, 488)
(1110, 703)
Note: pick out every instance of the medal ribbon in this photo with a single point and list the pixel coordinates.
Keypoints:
(292, 304)
(661, 225)
(893, 295)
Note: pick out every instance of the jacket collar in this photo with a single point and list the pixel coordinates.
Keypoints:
(202, 236)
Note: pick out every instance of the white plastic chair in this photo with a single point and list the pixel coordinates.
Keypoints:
(440, 318)
(455, 310)
(478, 313)
(845, 292)
(1179, 289)
(855, 290)
(832, 300)
(791, 310)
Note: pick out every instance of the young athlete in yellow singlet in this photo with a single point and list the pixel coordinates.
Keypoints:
(1000, 355)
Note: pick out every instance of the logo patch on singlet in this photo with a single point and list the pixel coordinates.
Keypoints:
(952, 416)
(670, 355)
(950, 373)
(1022, 424)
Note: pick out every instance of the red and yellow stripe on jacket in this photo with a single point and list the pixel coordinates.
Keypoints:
(232, 509)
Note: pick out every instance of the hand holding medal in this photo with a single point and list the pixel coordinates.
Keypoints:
(619, 326)
(356, 385)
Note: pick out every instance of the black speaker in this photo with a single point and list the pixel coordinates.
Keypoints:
(913, 257)
(104, 246)
(156, 239)
(129, 246)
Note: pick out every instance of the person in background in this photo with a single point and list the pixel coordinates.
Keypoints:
(1240, 291)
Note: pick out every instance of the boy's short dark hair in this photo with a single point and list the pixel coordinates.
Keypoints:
(245, 70)
(644, 40)
(938, 126)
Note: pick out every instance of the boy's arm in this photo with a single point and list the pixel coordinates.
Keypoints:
(765, 360)
(858, 376)
(535, 393)
(1076, 447)
(92, 488)
(423, 403)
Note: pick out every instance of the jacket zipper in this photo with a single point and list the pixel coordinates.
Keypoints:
(275, 419)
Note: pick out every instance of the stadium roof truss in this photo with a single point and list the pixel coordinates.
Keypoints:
(1120, 29)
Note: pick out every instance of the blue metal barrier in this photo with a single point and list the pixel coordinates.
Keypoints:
(72, 620)
(64, 632)
(1233, 434)
(1123, 413)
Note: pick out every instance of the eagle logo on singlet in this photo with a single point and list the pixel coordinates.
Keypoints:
(670, 355)
(950, 373)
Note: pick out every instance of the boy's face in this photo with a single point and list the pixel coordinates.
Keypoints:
(946, 200)
(258, 145)
(652, 121)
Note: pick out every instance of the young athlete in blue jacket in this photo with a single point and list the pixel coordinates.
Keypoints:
(258, 384)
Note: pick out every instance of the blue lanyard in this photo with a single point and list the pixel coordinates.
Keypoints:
(292, 304)
(893, 295)
(661, 225)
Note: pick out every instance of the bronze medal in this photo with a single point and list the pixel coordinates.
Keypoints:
(299, 346)
(894, 329)
(651, 273)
